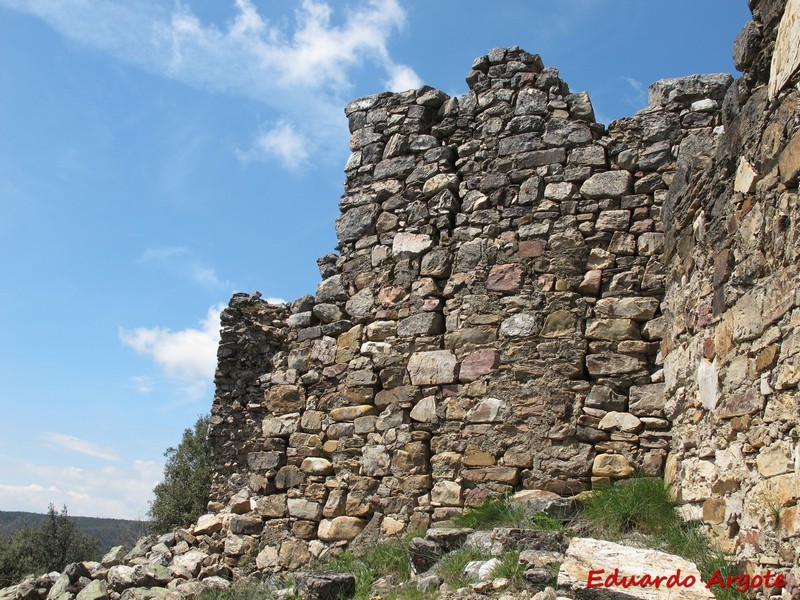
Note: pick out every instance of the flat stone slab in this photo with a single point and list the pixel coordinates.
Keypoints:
(590, 564)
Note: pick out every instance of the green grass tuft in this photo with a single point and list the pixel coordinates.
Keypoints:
(246, 590)
(641, 504)
(451, 567)
(493, 512)
(511, 569)
(387, 559)
(500, 512)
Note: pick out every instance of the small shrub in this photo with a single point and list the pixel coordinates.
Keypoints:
(544, 522)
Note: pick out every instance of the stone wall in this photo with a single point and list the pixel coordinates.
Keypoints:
(492, 320)
(732, 348)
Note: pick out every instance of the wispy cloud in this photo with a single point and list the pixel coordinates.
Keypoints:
(185, 263)
(114, 491)
(302, 70)
(636, 95)
(75, 444)
(188, 356)
(280, 141)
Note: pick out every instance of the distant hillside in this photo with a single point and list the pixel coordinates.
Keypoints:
(110, 532)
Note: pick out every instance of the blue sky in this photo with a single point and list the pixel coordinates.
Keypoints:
(158, 155)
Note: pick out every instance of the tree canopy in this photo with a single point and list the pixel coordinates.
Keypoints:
(183, 494)
(50, 547)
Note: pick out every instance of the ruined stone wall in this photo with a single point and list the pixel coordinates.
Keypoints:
(490, 323)
(732, 344)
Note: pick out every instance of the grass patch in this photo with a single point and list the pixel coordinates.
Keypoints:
(493, 512)
(387, 559)
(641, 504)
(500, 512)
(511, 569)
(451, 567)
(246, 590)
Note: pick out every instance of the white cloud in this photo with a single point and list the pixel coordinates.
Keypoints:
(280, 141)
(275, 300)
(183, 262)
(189, 355)
(120, 491)
(303, 71)
(403, 78)
(75, 444)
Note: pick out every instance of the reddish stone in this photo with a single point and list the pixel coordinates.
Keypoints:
(391, 295)
(591, 282)
(722, 267)
(709, 351)
(478, 364)
(704, 315)
(532, 248)
(334, 370)
(641, 226)
(546, 282)
(505, 278)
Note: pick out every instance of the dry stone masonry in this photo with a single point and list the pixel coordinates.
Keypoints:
(524, 299)
(491, 322)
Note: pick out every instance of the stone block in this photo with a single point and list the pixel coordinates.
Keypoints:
(789, 160)
(340, 529)
(283, 399)
(427, 323)
(611, 363)
(612, 329)
(488, 410)
(586, 556)
(479, 363)
(424, 411)
(303, 508)
(432, 368)
(316, 466)
(411, 244)
(609, 184)
(505, 278)
(615, 466)
(560, 323)
(350, 413)
(613, 220)
(786, 56)
(519, 325)
(447, 493)
(636, 307)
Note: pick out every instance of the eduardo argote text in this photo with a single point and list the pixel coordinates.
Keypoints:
(741, 583)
